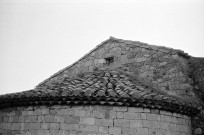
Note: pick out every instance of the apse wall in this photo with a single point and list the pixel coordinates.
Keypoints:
(92, 120)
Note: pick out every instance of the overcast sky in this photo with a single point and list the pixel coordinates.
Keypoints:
(40, 37)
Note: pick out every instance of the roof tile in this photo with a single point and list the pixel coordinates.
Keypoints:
(110, 87)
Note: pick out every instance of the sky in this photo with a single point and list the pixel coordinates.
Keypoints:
(40, 37)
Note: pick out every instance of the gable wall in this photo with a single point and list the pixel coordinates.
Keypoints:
(159, 67)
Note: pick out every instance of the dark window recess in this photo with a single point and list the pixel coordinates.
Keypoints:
(109, 60)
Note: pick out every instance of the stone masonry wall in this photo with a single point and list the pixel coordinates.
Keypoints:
(92, 120)
(161, 67)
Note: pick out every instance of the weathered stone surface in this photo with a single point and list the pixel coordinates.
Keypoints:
(44, 126)
(139, 121)
(49, 118)
(34, 126)
(71, 119)
(115, 130)
(54, 126)
(143, 70)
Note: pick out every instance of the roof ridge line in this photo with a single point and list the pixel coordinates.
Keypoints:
(159, 48)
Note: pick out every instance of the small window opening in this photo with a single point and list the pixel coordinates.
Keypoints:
(109, 60)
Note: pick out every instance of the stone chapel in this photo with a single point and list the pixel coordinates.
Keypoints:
(121, 87)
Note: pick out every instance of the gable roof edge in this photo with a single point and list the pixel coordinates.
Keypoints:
(60, 71)
(143, 45)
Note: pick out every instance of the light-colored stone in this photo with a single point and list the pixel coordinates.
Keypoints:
(45, 126)
(110, 120)
(121, 123)
(54, 126)
(71, 119)
(120, 109)
(115, 130)
(136, 123)
(93, 129)
(133, 109)
(87, 121)
(119, 115)
(130, 115)
(102, 129)
(153, 117)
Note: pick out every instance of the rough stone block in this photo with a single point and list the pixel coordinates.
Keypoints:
(6, 119)
(166, 118)
(155, 111)
(130, 116)
(142, 131)
(146, 110)
(37, 112)
(41, 132)
(53, 112)
(71, 127)
(10, 119)
(104, 122)
(58, 118)
(71, 119)
(153, 117)
(124, 58)
(21, 119)
(129, 131)
(119, 109)
(80, 113)
(146, 123)
(144, 116)
(45, 111)
(16, 126)
(63, 112)
(102, 129)
(121, 122)
(30, 112)
(24, 113)
(132, 109)
(164, 125)
(151, 124)
(153, 132)
(44, 126)
(87, 121)
(98, 114)
(14, 132)
(24, 126)
(41, 118)
(141, 59)
(93, 129)
(112, 114)
(119, 115)
(34, 126)
(135, 123)
(62, 132)
(172, 127)
(166, 113)
(26, 119)
(33, 118)
(49, 118)
(54, 126)
(115, 130)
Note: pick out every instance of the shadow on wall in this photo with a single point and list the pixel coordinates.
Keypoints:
(197, 73)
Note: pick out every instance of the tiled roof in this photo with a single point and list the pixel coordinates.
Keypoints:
(104, 87)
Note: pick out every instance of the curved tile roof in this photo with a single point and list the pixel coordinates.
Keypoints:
(105, 87)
